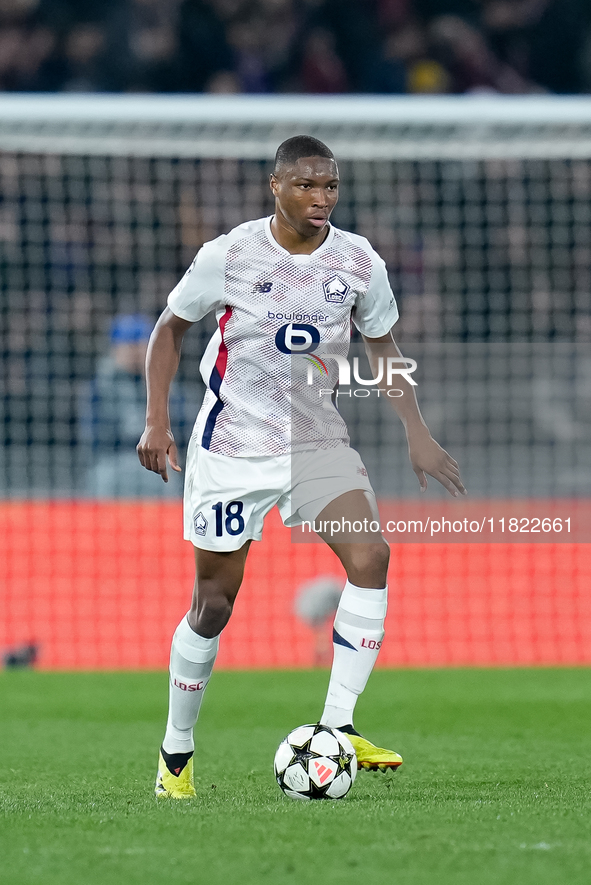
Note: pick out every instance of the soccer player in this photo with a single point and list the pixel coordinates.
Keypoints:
(280, 287)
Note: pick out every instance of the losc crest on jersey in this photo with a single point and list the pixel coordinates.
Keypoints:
(335, 289)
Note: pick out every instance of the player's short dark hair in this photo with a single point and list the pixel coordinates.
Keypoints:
(298, 146)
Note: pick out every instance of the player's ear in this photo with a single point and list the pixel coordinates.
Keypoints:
(273, 183)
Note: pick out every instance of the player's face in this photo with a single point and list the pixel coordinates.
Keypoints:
(306, 193)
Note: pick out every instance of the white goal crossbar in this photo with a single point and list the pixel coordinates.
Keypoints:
(250, 127)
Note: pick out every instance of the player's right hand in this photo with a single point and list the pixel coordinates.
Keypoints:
(155, 445)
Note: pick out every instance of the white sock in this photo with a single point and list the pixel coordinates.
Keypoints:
(357, 637)
(191, 661)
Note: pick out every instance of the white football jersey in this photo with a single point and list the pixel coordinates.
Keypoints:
(271, 306)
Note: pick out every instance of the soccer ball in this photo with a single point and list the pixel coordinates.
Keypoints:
(315, 762)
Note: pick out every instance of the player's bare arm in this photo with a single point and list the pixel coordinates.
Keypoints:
(157, 442)
(426, 455)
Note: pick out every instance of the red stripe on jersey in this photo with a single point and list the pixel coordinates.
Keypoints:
(222, 360)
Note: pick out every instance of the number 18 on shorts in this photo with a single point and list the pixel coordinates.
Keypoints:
(226, 499)
(228, 518)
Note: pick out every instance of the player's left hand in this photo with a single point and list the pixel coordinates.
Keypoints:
(427, 457)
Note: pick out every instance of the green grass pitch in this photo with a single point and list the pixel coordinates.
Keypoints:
(495, 789)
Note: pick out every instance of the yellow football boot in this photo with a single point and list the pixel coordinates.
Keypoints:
(175, 776)
(372, 758)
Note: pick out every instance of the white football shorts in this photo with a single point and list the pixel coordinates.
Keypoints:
(226, 499)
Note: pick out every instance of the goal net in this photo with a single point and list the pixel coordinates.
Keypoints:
(481, 210)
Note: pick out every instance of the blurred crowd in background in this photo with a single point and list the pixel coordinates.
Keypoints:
(310, 46)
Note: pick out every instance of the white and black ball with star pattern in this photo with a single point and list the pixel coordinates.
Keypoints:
(315, 762)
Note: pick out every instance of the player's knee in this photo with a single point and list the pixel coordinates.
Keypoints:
(368, 566)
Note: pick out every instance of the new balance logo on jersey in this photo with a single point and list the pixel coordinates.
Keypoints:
(261, 288)
(335, 289)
